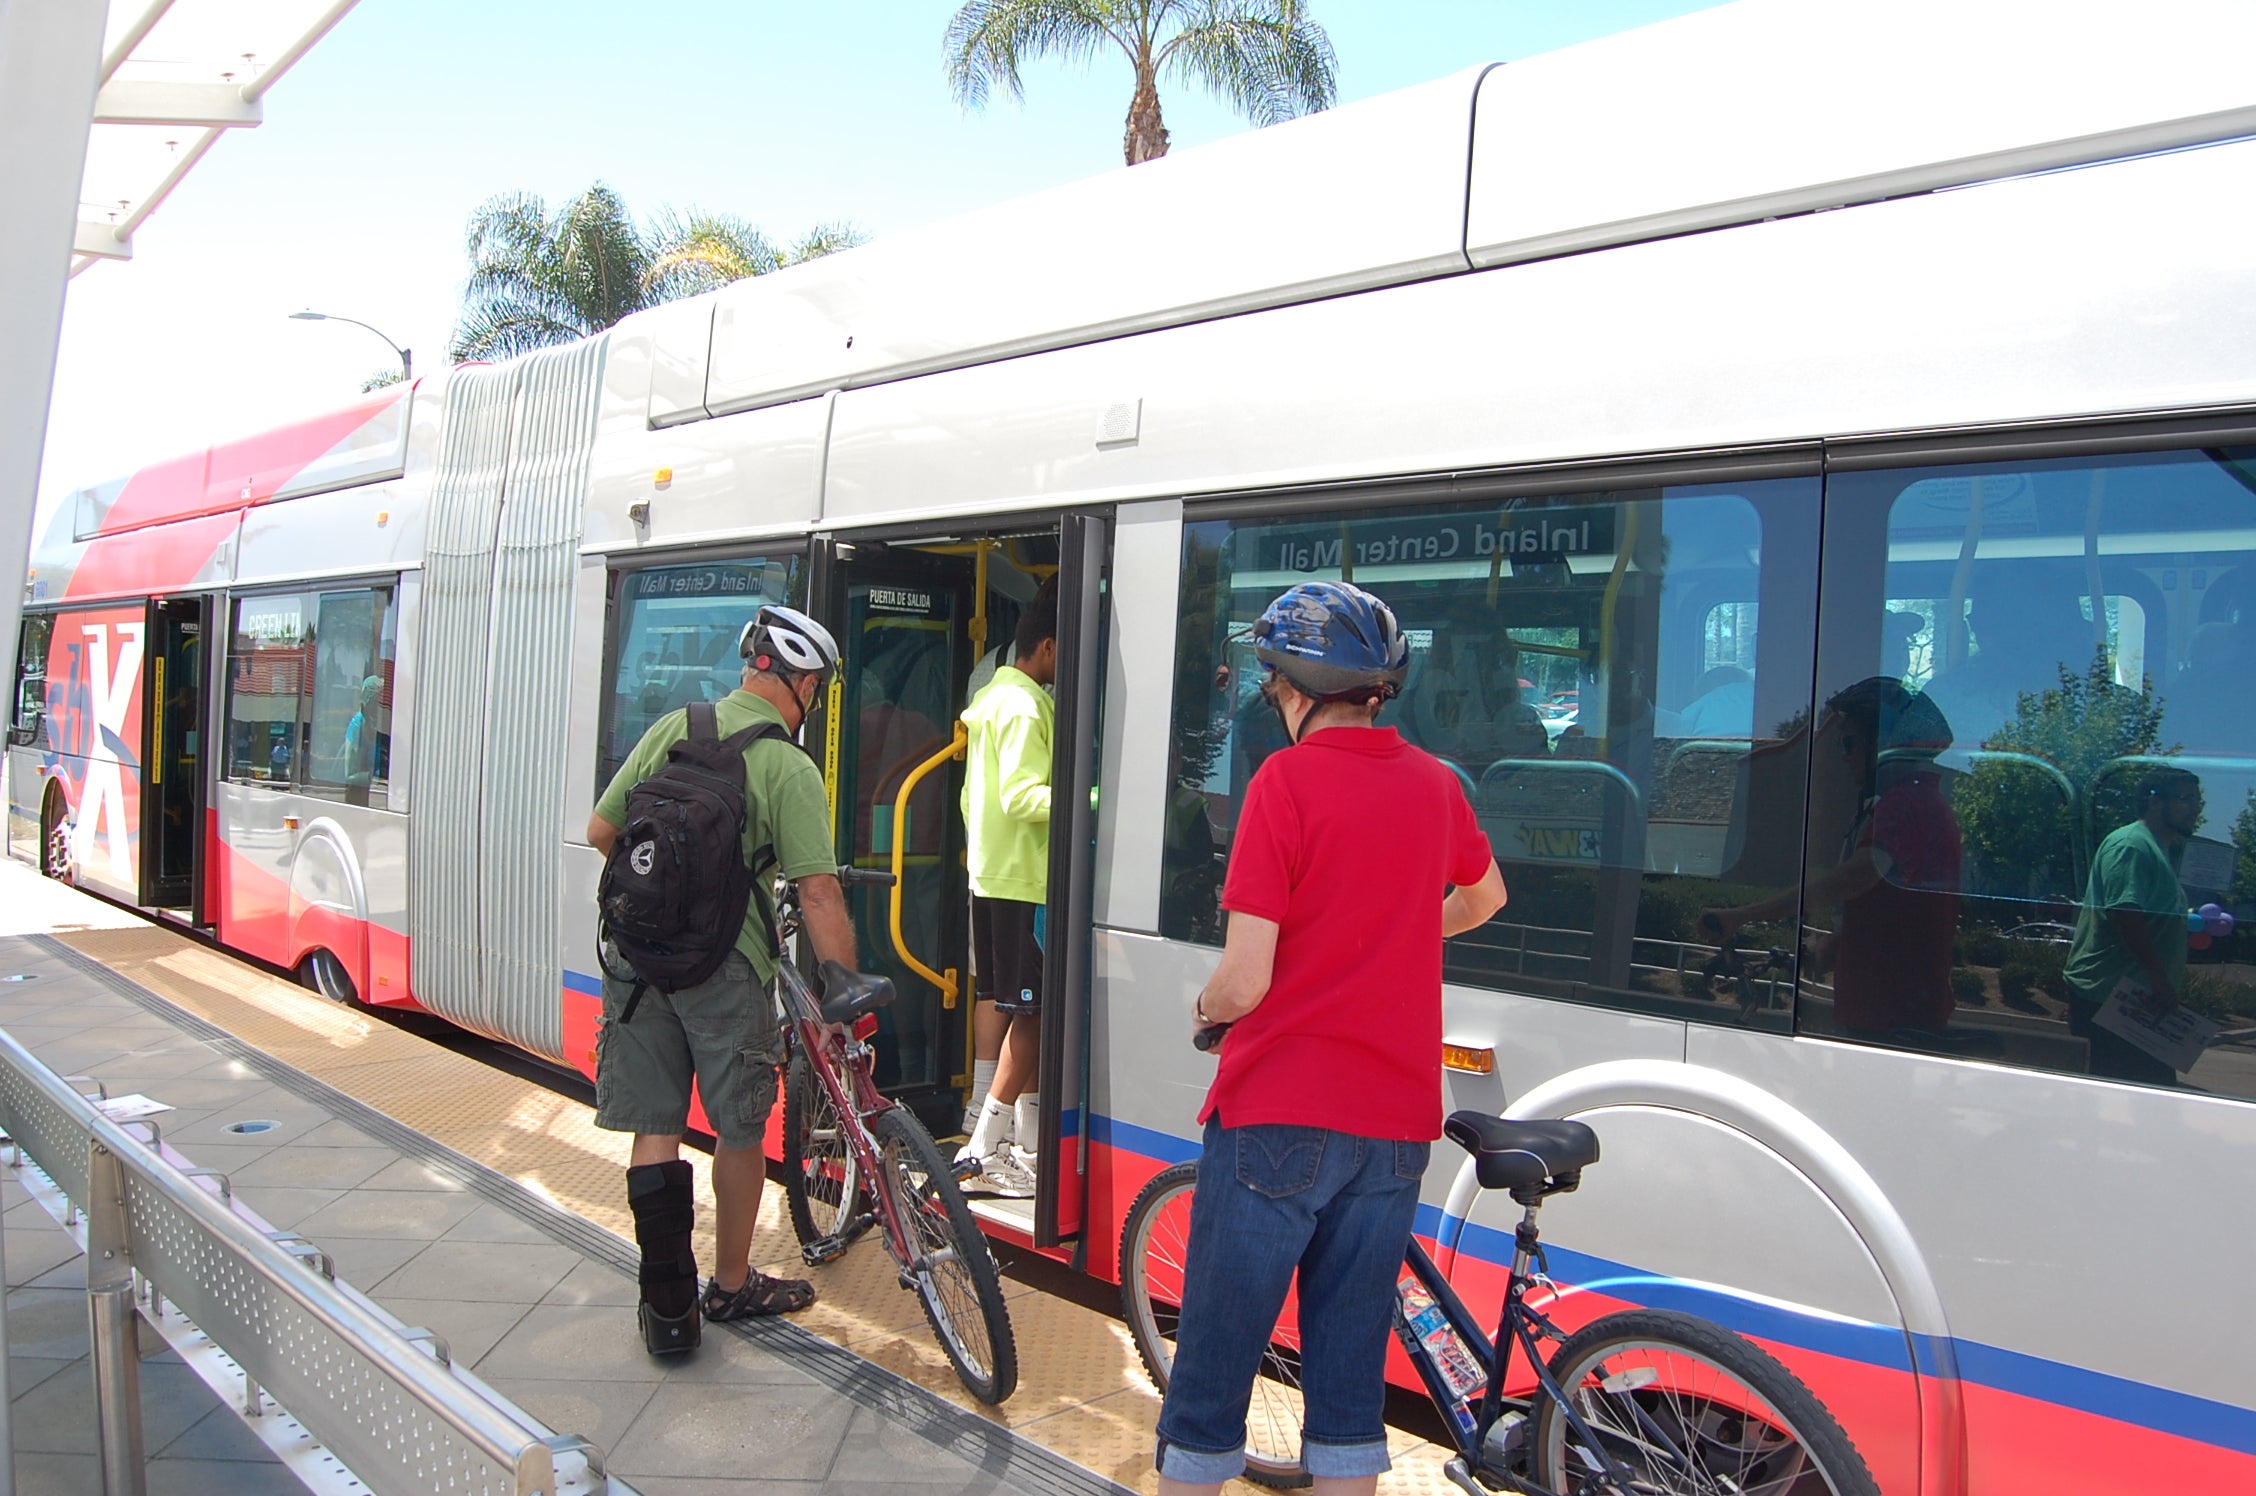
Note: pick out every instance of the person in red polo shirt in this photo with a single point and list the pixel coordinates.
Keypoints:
(1356, 855)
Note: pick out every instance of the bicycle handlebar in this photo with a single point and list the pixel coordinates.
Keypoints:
(1209, 1039)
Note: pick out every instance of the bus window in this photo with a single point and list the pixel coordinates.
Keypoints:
(2033, 822)
(674, 637)
(310, 690)
(1592, 668)
(269, 686)
(350, 728)
(29, 720)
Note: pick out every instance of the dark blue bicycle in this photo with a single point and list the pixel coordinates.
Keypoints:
(1646, 1402)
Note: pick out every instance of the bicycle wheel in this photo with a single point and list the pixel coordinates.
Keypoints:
(948, 1264)
(1153, 1250)
(820, 1179)
(1686, 1406)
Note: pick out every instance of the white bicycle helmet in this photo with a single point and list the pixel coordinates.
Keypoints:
(780, 638)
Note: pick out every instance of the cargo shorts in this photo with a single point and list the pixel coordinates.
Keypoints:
(722, 1033)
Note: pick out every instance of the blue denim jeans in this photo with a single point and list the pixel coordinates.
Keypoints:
(1270, 1199)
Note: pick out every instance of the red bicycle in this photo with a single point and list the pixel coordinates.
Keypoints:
(854, 1160)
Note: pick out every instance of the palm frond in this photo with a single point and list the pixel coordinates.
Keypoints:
(988, 39)
(697, 252)
(1263, 58)
(823, 239)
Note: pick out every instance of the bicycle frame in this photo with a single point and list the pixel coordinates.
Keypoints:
(1518, 1322)
(833, 1054)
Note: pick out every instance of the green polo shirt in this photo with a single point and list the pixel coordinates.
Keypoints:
(785, 807)
(2130, 872)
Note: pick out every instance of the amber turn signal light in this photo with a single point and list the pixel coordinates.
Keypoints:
(1473, 1059)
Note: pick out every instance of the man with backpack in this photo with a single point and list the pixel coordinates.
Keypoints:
(716, 799)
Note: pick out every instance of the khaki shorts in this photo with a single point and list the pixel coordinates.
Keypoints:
(722, 1032)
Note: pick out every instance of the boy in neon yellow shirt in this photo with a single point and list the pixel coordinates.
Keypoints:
(1006, 806)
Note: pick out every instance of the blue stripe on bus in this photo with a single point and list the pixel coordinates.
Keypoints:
(1166, 1147)
(575, 982)
(2182, 1415)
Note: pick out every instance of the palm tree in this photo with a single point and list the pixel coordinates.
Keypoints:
(1264, 58)
(537, 280)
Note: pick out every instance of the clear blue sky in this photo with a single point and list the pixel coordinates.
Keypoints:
(352, 197)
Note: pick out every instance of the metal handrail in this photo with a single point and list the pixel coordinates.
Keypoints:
(116, 1156)
(946, 981)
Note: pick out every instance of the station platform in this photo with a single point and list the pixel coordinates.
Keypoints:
(489, 1208)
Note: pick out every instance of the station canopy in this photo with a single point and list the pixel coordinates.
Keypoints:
(176, 76)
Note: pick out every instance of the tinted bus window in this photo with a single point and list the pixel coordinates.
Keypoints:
(310, 691)
(2033, 817)
(1594, 669)
(29, 719)
(674, 639)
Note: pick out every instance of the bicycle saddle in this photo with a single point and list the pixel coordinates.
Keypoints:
(847, 995)
(1508, 1154)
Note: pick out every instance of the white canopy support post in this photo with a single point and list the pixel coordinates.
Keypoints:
(50, 69)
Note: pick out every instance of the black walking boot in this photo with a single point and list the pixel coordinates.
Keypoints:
(664, 1204)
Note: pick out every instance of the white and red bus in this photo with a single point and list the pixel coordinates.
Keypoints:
(1667, 387)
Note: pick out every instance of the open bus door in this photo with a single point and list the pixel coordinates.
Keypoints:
(172, 799)
(919, 619)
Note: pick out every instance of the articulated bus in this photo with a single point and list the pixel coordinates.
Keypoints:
(1679, 391)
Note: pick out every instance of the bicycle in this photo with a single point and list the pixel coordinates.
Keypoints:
(855, 1160)
(1638, 1403)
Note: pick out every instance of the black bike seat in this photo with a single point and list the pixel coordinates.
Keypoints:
(847, 995)
(1510, 1154)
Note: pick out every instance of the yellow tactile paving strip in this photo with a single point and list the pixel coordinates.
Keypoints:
(1081, 1391)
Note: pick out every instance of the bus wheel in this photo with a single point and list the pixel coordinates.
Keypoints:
(325, 974)
(54, 837)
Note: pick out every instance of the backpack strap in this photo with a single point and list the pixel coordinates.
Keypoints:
(763, 856)
(703, 724)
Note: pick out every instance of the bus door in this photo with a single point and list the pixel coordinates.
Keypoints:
(902, 617)
(172, 802)
(922, 624)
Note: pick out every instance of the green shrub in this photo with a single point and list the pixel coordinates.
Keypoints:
(1982, 947)
(1967, 986)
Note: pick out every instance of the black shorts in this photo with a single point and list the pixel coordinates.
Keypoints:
(1007, 949)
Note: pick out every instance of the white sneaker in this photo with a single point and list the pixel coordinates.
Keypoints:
(1002, 1175)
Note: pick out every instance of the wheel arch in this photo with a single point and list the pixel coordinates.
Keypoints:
(1801, 1144)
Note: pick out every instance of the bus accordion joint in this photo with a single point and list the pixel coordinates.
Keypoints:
(1472, 1059)
(944, 980)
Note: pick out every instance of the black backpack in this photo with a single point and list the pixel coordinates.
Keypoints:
(675, 888)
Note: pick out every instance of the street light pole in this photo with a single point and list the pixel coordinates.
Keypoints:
(406, 355)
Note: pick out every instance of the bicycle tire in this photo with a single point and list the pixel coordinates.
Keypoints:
(1792, 1446)
(821, 1181)
(962, 1292)
(1152, 1250)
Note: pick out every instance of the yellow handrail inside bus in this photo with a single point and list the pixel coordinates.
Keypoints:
(944, 980)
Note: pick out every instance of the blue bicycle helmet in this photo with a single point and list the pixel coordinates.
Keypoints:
(1333, 640)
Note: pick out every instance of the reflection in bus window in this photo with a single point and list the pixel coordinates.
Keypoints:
(310, 690)
(674, 641)
(2082, 627)
(1592, 668)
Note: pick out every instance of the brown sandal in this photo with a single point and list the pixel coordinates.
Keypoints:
(761, 1295)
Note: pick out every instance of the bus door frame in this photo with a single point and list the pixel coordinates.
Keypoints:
(1084, 547)
(162, 778)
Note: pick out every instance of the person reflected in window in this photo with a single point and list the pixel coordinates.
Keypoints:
(1897, 883)
(2131, 930)
(357, 761)
(1722, 706)
(2028, 625)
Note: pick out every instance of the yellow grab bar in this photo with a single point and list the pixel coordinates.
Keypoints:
(944, 980)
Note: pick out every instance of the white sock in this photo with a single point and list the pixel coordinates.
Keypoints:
(1026, 1115)
(993, 1117)
(982, 1081)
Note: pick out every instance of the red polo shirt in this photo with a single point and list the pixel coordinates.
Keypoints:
(1348, 842)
